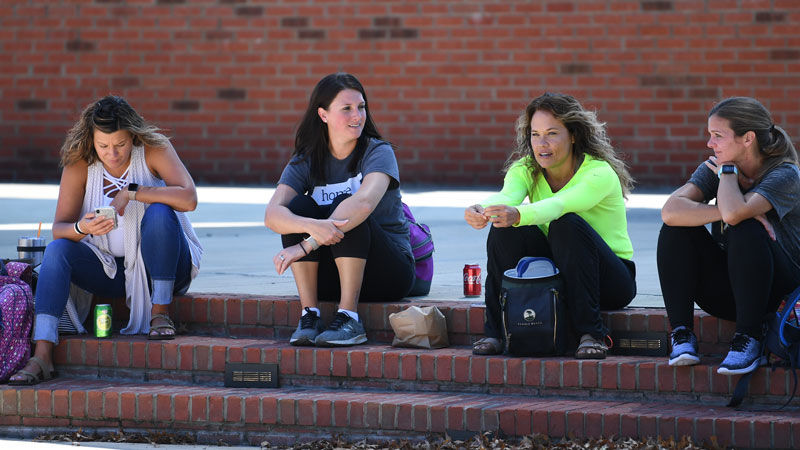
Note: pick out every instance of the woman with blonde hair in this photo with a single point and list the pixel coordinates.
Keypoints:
(575, 183)
(751, 260)
(144, 250)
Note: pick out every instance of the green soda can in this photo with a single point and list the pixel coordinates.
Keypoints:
(102, 321)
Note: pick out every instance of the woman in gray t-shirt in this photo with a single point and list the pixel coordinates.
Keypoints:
(751, 260)
(338, 210)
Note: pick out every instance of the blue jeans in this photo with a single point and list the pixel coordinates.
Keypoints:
(166, 256)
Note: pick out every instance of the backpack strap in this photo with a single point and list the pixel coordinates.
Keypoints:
(741, 389)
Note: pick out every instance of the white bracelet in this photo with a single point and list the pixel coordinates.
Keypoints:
(313, 242)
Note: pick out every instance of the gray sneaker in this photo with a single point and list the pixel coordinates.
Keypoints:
(684, 348)
(744, 356)
(341, 332)
(309, 327)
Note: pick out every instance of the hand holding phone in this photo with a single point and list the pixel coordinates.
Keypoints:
(109, 212)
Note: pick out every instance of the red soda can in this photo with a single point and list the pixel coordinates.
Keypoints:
(472, 280)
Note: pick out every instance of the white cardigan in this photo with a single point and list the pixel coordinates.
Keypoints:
(136, 286)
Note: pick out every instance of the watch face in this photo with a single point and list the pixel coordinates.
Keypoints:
(728, 169)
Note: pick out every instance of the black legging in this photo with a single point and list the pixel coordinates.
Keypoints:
(389, 273)
(743, 282)
(595, 278)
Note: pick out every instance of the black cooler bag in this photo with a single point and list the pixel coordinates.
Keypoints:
(534, 309)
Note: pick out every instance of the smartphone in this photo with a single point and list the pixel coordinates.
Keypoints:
(109, 212)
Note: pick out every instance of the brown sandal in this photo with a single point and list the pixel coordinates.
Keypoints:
(591, 348)
(156, 333)
(31, 378)
(487, 346)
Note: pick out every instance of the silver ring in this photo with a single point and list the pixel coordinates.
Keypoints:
(281, 257)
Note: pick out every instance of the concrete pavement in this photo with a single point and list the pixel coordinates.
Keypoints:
(239, 249)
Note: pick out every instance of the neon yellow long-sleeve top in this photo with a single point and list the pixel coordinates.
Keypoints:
(594, 193)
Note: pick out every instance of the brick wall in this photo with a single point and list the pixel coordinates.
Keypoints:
(446, 79)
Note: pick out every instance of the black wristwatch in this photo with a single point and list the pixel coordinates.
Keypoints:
(727, 169)
(132, 188)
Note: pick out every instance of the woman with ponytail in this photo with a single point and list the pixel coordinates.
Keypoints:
(751, 259)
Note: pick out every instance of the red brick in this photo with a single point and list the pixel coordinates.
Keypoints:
(269, 411)
(323, 413)
(358, 364)
(375, 365)
(95, 404)
(181, 408)
(186, 357)
(557, 424)
(420, 418)
(340, 413)
(215, 408)
(514, 372)
(723, 429)
(478, 370)
(91, 350)
(405, 417)
(286, 407)
(219, 357)
(356, 417)
(443, 368)
(128, 406)
(409, 367)
(43, 403)
(647, 427)
(742, 434)
(782, 434)
(305, 361)
(532, 372)
(106, 357)
(216, 310)
(391, 365)
(339, 363)
(461, 369)
(199, 408)
(138, 354)
(667, 427)
(145, 407)
(164, 407)
(250, 312)
(235, 355)
(77, 404)
(575, 423)
(455, 417)
(496, 373)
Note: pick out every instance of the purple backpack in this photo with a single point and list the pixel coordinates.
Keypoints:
(16, 317)
(422, 246)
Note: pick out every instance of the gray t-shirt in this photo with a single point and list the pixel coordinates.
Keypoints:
(781, 187)
(378, 157)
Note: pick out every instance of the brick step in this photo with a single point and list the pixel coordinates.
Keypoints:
(277, 317)
(280, 416)
(201, 360)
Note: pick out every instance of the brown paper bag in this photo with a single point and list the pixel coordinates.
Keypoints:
(421, 327)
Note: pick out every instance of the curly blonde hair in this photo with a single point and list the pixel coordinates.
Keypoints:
(589, 134)
(109, 114)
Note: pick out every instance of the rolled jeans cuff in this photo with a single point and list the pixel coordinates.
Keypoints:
(45, 328)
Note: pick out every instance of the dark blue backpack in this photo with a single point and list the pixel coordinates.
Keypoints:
(782, 341)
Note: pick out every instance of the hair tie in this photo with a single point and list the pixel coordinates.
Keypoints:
(772, 128)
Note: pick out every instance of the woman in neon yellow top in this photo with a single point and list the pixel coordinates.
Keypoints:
(575, 183)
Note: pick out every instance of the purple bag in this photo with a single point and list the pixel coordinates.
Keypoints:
(422, 246)
(16, 317)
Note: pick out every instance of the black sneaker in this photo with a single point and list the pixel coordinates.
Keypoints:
(343, 331)
(307, 330)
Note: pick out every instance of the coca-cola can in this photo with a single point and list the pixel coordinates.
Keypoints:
(472, 280)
